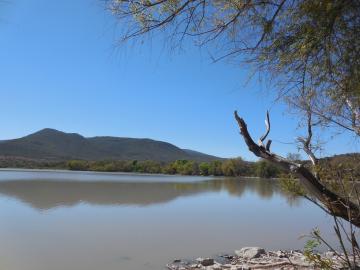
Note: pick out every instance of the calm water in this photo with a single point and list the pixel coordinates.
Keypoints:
(92, 221)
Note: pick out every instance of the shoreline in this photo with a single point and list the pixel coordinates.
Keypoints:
(94, 172)
(256, 258)
(124, 173)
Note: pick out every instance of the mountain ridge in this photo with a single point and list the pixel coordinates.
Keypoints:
(52, 144)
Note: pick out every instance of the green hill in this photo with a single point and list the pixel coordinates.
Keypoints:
(54, 145)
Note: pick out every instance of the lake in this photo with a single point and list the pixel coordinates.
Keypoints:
(58, 220)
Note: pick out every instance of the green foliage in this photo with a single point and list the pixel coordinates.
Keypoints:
(340, 172)
(265, 169)
(169, 169)
(184, 167)
(215, 168)
(235, 167)
(78, 165)
(229, 167)
(148, 166)
(204, 168)
(349, 165)
(291, 185)
(312, 255)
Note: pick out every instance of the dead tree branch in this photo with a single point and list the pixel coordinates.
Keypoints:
(306, 142)
(337, 205)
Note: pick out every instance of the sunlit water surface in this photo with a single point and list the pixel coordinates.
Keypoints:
(91, 221)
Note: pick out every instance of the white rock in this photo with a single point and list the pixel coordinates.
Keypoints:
(250, 252)
(238, 267)
(216, 267)
(329, 254)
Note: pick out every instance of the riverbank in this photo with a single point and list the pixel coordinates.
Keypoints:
(256, 258)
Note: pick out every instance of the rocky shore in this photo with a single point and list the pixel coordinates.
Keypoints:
(255, 258)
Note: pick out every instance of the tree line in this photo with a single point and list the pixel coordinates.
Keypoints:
(228, 167)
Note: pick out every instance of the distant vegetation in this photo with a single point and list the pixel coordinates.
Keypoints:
(225, 167)
(228, 167)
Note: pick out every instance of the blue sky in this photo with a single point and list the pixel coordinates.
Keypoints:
(61, 67)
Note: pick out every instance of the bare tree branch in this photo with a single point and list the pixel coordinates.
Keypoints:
(336, 204)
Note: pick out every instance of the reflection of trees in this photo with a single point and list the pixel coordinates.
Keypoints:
(265, 188)
(43, 194)
(234, 186)
(292, 200)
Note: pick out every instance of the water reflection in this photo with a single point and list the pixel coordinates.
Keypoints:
(155, 219)
(47, 194)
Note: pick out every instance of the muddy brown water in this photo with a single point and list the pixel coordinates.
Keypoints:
(57, 220)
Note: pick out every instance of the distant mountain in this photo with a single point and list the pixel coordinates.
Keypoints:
(199, 155)
(51, 144)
